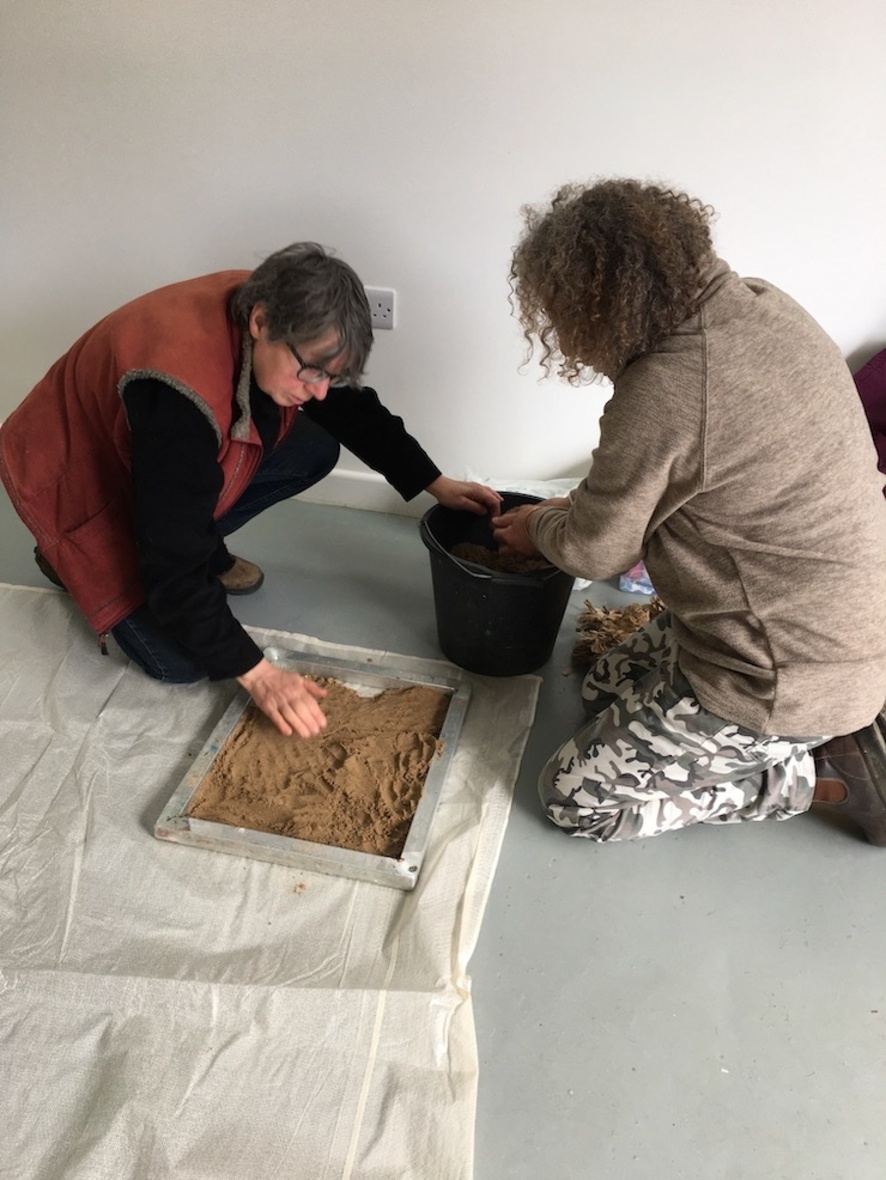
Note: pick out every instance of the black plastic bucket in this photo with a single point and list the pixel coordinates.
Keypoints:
(493, 623)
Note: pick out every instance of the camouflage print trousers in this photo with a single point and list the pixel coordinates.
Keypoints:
(651, 759)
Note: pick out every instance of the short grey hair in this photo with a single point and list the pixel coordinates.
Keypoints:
(307, 293)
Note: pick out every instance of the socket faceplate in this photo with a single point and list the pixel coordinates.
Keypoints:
(381, 305)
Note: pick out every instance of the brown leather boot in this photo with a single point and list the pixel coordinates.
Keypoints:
(244, 577)
(858, 761)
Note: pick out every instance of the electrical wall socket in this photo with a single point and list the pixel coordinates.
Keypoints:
(381, 305)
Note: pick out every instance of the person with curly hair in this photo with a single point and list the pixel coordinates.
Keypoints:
(735, 461)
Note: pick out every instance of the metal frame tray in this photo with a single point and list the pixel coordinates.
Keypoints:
(401, 872)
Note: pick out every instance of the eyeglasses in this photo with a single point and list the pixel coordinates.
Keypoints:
(313, 374)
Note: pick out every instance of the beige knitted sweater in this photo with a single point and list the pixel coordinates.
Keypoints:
(736, 460)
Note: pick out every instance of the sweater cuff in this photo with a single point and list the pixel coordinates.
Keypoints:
(241, 654)
(533, 523)
(417, 481)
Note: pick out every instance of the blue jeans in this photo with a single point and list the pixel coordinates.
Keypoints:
(305, 456)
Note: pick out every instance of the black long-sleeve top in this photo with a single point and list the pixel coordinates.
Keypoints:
(176, 484)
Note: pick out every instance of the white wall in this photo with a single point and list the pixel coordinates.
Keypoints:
(145, 141)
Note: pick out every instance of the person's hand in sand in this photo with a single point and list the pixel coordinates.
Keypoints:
(289, 700)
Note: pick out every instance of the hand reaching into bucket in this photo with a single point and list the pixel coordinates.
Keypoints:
(464, 496)
(511, 530)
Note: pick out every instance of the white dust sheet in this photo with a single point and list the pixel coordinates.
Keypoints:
(167, 1011)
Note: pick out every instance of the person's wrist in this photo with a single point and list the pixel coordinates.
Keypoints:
(249, 677)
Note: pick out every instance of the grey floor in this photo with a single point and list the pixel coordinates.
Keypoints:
(709, 1004)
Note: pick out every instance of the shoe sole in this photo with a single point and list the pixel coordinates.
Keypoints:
(244, 589)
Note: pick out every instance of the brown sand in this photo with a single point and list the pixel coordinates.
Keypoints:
(491, 559)
(355, 786)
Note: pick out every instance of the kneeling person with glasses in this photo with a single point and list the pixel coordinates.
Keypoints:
(175, 420)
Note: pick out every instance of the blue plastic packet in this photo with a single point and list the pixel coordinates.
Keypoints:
(636, 580)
